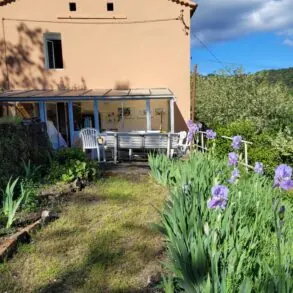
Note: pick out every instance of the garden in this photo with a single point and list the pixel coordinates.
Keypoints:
(226, 230)
(205, 222)
(75, 229)
(34, 195)
(227, 222)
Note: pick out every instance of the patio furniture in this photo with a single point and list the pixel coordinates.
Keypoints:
(182, 146)
(142, 141)
(89, 138)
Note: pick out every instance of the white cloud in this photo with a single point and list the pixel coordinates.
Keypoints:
(220, 20)
(288, 42)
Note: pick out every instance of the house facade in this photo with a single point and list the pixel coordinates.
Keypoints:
(88, 44)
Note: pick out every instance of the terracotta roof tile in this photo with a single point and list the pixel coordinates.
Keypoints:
(4, 2)
(188, 3)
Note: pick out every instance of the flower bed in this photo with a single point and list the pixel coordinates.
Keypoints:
(39, 189)
(227, 230)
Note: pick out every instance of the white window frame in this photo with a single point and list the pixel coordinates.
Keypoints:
(47, 38)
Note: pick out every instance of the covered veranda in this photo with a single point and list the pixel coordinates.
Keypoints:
(69, 111)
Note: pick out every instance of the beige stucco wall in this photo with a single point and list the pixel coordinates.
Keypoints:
(145, 55)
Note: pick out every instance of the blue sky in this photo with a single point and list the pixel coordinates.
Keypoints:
(255, 34)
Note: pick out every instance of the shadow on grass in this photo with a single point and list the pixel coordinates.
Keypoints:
(147, 229)
(100, 253)
(105, 256)
(88, 199)
(62, 233)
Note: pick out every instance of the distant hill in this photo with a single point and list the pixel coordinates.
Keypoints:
(279, 75)
(284, 76)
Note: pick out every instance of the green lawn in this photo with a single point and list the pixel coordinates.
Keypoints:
(102, 242)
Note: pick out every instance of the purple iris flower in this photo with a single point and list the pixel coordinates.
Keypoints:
(189, 124)
(282, 173)
(189, 136)
(236, 144)
(235, 175)
(199, 125)
(287, 184)
(282, 179)
(258, 168)
(210, 134)
(233, 159)
(219, 198)
(192, 130)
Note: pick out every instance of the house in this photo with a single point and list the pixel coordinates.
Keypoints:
(114, 65)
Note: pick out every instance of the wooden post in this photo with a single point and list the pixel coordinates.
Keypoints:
(193, 92)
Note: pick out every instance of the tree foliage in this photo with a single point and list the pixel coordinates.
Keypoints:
(284, 76)
(222, 99)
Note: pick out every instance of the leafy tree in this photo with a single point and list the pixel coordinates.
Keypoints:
(222, 99)
(284, 76)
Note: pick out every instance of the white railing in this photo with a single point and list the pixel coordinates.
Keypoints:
(246, 143)
(200, 141)
(200, 145)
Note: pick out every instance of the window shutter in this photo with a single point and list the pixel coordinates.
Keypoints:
(50, 51)
(58, 54)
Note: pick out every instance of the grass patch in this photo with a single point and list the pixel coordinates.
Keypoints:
(102, 242)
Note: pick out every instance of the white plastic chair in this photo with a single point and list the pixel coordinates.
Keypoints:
(181, 146)
(184, 146)
(182, 136)
(89, 138)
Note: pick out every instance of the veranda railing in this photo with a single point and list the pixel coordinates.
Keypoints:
(201, 145)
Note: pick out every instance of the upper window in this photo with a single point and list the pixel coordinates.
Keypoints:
(110, 6)
(53, 51)
(72, 6)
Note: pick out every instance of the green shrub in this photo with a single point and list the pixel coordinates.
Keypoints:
(64, 156)
(16, 120)
(79, 170)
(97, 173)
(268, 156)
(70, 164)
(282, 143)
(261, 149)
(55, 172)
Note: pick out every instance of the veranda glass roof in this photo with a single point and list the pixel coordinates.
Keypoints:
(100, 94)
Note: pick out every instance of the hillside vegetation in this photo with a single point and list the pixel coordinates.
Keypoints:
(284, 76)
(256, 106)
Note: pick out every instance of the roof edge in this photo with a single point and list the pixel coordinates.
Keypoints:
(189, 3)
(5, 2)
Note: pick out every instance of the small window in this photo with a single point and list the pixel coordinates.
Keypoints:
(72, 6)
(53, 51)
(110, 6)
